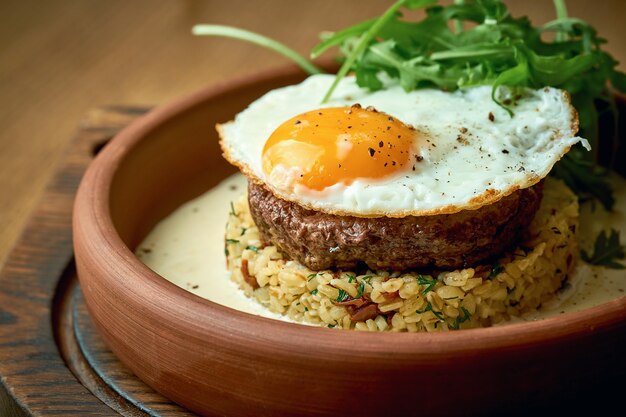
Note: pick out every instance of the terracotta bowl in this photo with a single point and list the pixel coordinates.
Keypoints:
(218, 361)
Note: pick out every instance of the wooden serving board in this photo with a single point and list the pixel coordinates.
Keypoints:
(52, 361)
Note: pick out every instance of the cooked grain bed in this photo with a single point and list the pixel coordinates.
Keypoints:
(521, 281)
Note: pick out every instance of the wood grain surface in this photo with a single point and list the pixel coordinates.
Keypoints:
(52, 360)
(59, 58)
(34, 379)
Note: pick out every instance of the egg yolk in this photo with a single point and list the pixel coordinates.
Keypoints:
(334, 145)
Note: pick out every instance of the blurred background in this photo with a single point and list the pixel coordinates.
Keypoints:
(61, 58)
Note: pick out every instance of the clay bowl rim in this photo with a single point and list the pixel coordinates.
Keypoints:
(93, 206)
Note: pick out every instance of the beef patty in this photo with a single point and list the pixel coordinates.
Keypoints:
(447, 241)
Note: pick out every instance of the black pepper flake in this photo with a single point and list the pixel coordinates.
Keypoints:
(390, 118)
(319, 113)
(504, 151)
(349, 127)
(195, 287)
(388, 127)
(371, 151)
(372, 109)
(491, 117)
(381, 144)
(463, 130)
(393, 163)
(521, 169)
(385, 164)
(298, 122)
(419, 158)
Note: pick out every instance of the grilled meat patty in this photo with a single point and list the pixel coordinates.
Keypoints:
(447, 241)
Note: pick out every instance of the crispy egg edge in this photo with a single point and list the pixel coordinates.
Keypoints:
(489, 196)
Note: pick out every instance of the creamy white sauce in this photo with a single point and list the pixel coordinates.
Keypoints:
(187, 248)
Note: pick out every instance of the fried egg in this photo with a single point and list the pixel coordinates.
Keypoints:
(396, 153)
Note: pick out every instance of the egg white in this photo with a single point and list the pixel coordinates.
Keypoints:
(473, 151)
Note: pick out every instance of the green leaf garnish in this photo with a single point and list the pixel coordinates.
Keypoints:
(360, 289)
(252, 248)
(606, 251)
(460, 319)
(232, 241)
(343, 296)
(429, 307)
(369, 35)
(232, 210)
(236, 33)
(429, 283)
(477, 42)
(495, 270)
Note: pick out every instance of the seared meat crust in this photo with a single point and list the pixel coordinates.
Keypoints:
(447, 241)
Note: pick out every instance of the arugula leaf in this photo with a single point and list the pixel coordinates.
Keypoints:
(478, 42)
(368, 35)
(606, 251)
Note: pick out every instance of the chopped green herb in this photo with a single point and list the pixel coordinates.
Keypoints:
(252, 248)
(306, 309)
(606, 251)
(343, 296)
(330, 326)
(351, 277)
(310, 277)
(458, 320)
(429, 307)
(360, 289)
(243, 231)
(314, 292)
(226, 252)
(232, 241)
(451, 298)
(429, 283)
(495, 270)
(232, 210)
(367, 278)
